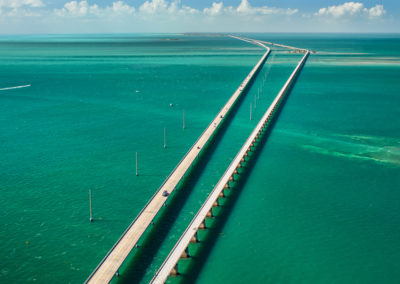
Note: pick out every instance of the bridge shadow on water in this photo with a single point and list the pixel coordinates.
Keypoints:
(189, 271)
(137, 265)
(192, 269)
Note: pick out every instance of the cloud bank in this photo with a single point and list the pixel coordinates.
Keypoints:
(352, 9)
(173, 16)
(83, 8)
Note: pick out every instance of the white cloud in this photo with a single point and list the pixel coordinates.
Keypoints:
(377, 11)
(351, 9)
(83, 8)
(160, 7)
(245, 9)
(13, 8)
(188, 10)
(77, 8)
(121, 7)
(214, 10)
(173, 16)
(154, 6)
(21, 3)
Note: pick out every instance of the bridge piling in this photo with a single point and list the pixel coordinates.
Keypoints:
(185, 254)
(173, 258)
(203, 225)
(174, 271)
(106, 269)
(194, 239)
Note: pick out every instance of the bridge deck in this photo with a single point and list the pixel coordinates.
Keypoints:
(110, 264)
(179, 249)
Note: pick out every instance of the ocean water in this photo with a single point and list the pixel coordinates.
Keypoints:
(319, 204)
(203, 178)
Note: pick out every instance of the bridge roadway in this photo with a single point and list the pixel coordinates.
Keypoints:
(190, 235)
(110, 264)
(285, 46)
(275, 44)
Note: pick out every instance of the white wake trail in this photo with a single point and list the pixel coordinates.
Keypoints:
(16, 87)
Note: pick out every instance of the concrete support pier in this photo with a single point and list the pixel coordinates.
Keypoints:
(170, 265)
(110, 264)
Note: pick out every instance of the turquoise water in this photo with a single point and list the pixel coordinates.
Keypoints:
(197, 187)
(320, 204)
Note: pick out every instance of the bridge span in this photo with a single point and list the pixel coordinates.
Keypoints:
(303, 50)
(180, 250)
(110, 264)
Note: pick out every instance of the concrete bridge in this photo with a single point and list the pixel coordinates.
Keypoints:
(110, 264)
(180, 250)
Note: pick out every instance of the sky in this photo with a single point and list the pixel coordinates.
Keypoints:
(171, 16)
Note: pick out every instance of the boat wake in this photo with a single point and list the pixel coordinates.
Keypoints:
(16, 87)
